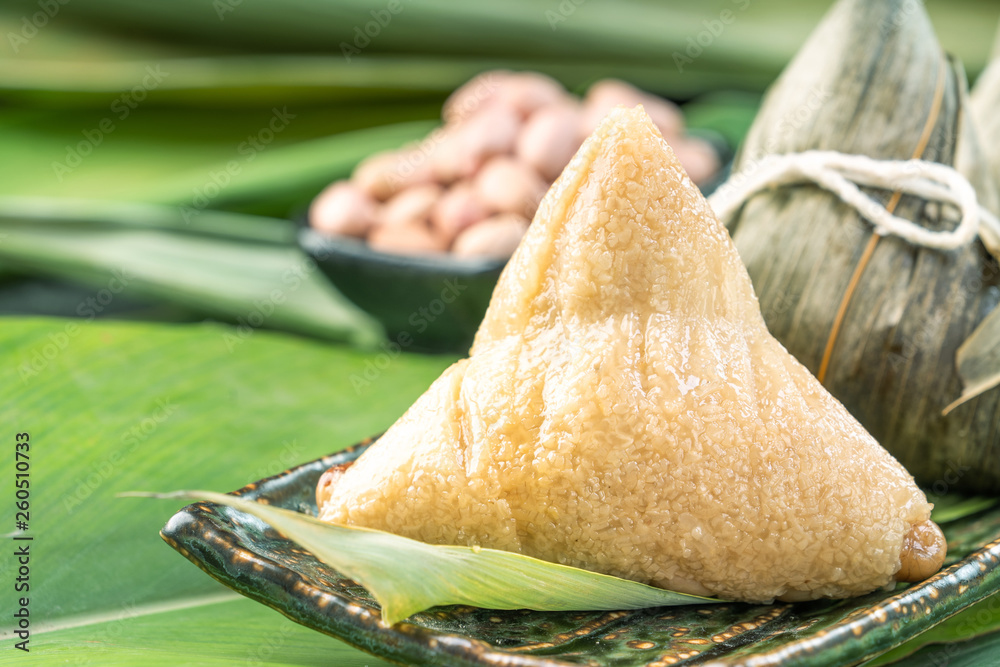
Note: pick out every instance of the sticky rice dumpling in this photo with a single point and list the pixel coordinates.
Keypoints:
(625, 410)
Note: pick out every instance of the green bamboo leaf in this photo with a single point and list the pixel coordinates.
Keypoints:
(756, 38)
(113, 406)
(407, 576)
(952, 506)
(253, 285)
(91, 215)
(283, 175)
(626, 31)
(208, 631)
(221, 82)
(177, 155)
(232, 267)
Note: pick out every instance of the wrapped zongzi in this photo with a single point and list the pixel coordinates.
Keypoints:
(877, 318)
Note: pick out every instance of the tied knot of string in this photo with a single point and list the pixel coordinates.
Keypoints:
(842, 175)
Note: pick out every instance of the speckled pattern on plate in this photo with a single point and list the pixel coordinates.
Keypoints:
(250, 557)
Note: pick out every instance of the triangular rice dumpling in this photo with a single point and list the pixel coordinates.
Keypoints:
(625, 410)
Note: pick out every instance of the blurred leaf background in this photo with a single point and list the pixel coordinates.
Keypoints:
(150, 101)
(143, 176)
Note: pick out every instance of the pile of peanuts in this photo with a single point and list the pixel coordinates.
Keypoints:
(472, 186)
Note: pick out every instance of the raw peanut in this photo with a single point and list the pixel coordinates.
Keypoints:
(497, 236)
(450, 160)
(384, 174)
(605, 95)
(527, 92)
(343, 209)
(506, 185)
(549, 139)
(473, 95)
(410, 205)
(492, 132)
(456, 209)
(698, 158)
(413, 238)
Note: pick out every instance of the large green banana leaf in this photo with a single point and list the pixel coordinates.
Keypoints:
(115, 407)
(211, 631)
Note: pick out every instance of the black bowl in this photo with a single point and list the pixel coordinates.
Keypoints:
(430, 303)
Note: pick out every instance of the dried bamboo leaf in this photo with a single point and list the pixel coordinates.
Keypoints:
(978, 360)
(872, 80)
(407, 576)
(973, 159)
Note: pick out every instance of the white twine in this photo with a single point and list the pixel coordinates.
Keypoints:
(841, 174)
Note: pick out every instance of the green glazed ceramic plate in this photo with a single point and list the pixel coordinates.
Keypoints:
(250, 557)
